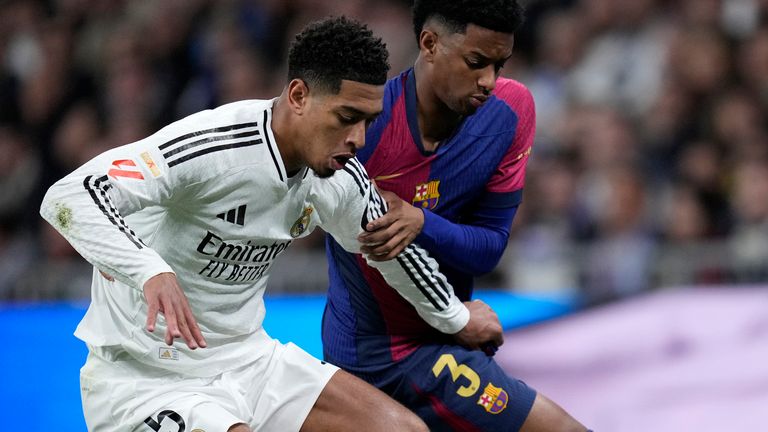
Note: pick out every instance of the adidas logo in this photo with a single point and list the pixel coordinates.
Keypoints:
(235, 216)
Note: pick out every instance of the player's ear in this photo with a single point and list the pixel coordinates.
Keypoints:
(428, 43)
(298, 93)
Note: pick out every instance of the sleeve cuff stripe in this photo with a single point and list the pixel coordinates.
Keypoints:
(112, 215)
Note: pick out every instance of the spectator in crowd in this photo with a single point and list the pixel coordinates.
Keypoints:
(667, 77)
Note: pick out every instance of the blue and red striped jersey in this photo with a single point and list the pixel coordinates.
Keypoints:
(481, 165)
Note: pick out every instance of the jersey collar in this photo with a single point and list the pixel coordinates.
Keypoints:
(412, 116)
(272, 144)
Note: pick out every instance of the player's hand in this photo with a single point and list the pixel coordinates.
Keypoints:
(164, 295)
(388, 235)
(482, 329)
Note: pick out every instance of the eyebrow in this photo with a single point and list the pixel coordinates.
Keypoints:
(359, 113)
(486, 58)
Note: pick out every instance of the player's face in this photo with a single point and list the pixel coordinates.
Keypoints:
(466, 66)
(336, 123)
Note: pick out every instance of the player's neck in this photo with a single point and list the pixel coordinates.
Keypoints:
(285, 138)
(436, 120)
(436, 124)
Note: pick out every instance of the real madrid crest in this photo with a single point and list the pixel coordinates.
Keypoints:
(301, 223)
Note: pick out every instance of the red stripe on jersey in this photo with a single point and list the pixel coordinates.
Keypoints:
(403, 323)
(510, 174)
(399, 164)
(455, 421)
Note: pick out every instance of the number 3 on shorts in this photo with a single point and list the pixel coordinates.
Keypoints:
(458, 370)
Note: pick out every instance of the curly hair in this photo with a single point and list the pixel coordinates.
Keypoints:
(335, 49)
(504, 16)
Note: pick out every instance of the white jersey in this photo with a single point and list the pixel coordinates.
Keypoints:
(208, 198)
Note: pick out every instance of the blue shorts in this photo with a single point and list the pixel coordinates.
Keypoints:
(454, 389)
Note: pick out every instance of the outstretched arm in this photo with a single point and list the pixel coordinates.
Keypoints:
(88, 207)
(347, 203)
(413, 273)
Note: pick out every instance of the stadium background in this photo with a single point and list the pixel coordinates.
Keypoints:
(645, 213)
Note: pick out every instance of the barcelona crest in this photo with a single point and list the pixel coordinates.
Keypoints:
(301, 223)
(427, 195)
(493, 399)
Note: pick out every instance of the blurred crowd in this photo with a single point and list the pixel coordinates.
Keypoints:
(650, 167)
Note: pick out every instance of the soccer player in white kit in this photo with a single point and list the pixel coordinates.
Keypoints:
(187, 223)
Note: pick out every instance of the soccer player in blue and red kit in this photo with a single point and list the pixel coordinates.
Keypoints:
(451, 147)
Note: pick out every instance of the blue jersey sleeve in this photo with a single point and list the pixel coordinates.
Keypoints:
(474, 247)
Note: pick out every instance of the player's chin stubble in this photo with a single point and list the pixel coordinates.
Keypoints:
(324, 173)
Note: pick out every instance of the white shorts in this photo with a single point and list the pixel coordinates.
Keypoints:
(274, 393)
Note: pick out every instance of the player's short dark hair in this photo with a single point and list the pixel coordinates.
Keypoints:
(335, 49)
(504, 16)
